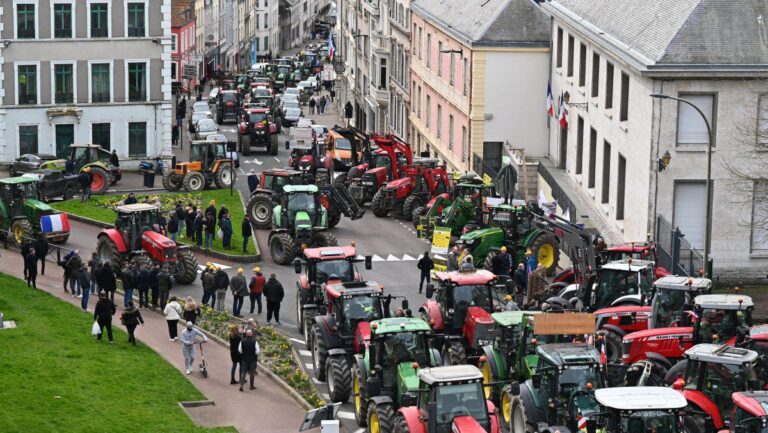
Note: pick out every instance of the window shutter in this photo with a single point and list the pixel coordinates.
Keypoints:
(691, 128)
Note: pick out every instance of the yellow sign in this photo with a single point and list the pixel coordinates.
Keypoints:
(441, 240)
(487, 180)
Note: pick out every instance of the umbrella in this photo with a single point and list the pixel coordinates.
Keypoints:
(506, 181)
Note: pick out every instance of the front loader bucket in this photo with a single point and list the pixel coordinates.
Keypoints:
(340, 197)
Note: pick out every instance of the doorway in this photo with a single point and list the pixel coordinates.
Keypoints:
(65, 136)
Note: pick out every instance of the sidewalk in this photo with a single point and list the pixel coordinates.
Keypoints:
(268, 409)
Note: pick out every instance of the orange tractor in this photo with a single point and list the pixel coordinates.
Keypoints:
(208, 164)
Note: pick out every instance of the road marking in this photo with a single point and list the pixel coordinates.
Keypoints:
(376, 258)
(305, 353)
(255, 161)
(230, 130)
(360, 257)
(360, 430)
(298, 341)
(391, 258)
(407, 258)
(277, 159)
(309, 366)
(345, 415)
(327, 397)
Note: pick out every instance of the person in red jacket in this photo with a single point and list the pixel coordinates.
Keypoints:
(256, 287)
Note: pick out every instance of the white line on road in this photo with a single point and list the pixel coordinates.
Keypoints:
(309, 366)
(360, 430)
(391, 258)
(305, 353)
(277, 159)
(298, 341)
(376, 258)
(406, 258)
(346, 415)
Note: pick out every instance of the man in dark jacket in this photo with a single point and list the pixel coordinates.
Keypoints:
(164, 284)
(113, 158)
(208, 290)
(210, 230)
(130, 279)
(85, 281)
(103, 313)
(41, 250)
(211, 210)
(107, 280)
(189, 220)
(521, 278)
(131, 319)
(142, 283)
(30, 263)
(85, 178)
(502, 262)
(153, 286)
(131, 199)
(274, 293)
(26, 245)
(63, 264)
(237, 285)
(425, 265)
(173, 226)
(247, 232)
(95, 265)
(220, 284)
(199, 225)
(249, 350)
(74, 263)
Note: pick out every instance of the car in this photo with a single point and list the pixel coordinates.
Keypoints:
(306, 87)
(314, 82)
(53, 183)
(321, 133)
(291, 116)
(228, 106)
(198, 116)
(289, 104)
(260, 91)
(292, 91)
(28, 162)
(201, 106)
(214, 95)
(205, 127)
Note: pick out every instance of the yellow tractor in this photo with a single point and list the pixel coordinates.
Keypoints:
(208, 164)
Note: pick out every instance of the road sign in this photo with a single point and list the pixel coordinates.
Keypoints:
(441, 240)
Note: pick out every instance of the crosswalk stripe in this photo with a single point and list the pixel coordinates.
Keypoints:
(297, 340)
(201, 267)
(305, 353)
(327, 397)
(309, 366)
(439, 257)
(406, 258)
(360, 257)
(391, 258)
(376, 258)
(346, 415)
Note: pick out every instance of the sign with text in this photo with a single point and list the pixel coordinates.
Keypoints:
(441, 240)
(564, 324)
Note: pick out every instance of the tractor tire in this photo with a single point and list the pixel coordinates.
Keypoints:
(491, 392)
(401, 425)
(21, 229)
(187, 264)
(547, 252)
(194, 182)
(273, 144)
(172, 182)
(417, 214)
(676, 372)
(142, 262)
(488, 262)
(376, 204)
(339, 378)
(381, 418)
(107, 251)
(334, 217)
(319, 353)
(100, 180)
(299, 311)
(612, 346)
(324, 239)
(308, 319)
(359, 398)
(260, 211)
(282, 248)
(694, 423)
(245, 145)
(454, 353)
(412, 202)
(635, 371)
(224, 176)
(518, 421)
(69, 192)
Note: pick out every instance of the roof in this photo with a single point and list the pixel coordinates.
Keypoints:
(18, 180)
(177, 14)
(720, 354)
(480, 276)
(281, 171)
(354, 288)
(330, 253)
(487, 22)
(624, 265)
(636, 247)
(755, 402)
(85, 145)
(640, 398)
(725, 302)
(394, 325)
(300, 188)
(137, 207)
(569, 353)
(450, 373)
(673, 282)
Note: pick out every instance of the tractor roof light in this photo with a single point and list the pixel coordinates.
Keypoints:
(483, 358)
(415, 365)
(589, 386)
(375, 326)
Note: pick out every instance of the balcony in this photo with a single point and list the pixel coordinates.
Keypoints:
(380, 95)
(379, 43)
(372, 6)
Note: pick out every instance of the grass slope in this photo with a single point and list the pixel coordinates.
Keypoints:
(57, 378)
(100, 208)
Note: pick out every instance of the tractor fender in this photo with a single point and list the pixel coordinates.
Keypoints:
(533, 414)
(495, 427)
(411, 416)
(490, 355)
(661, 359)
(466, 424)
(435, 358)
(633, 299)
(559, 302)
(362, 368)
(567, 276)
(435, 318)
(697, 398)
(115, 236)
(325, 324)
(615, 329)
(303, 283)
(381, 399)
(362, 337)
(337, 352)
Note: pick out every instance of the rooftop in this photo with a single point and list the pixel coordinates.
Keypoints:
(725, 302)
(624, 265)
(450, 373)
(569, 353)
(720, 354)
(673, 282)
(18, 180)
(645, 398)
(330, 253)
(137, 207)
(394, 325)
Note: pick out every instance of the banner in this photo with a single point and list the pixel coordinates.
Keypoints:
(441, 240)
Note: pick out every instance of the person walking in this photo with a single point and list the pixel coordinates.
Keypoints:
(41, 251)
(188, 340)
(237, 285)
(63, 264)
(85, 281)
(274, 293)
(246, 231)
(521, 278)
(180, 218)
(175, 135)
(199, 225)
(312, 103)
(190, 213)
(130, 277)
(142, 282)
(85, 178)
(256, 287)
(235, 333)
(131, 319)
(30, 263)
(191, 310)
(211, 210)
(425, 265)
(226, 227)
(114, 159)
(332, 93)
(453, 259)
(26, 245)
(107, 280)
(220, 283)
(181, 112)
(173, 226)
(322, 104)
(164, 285)
(210, 230)
(102, 314)
(207, 279)
(74, 263)
(249, 350)
(95, 266)
(154, 286)
(172, 313)
(530, 261)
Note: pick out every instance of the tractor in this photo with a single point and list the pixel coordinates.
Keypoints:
(460, 314)
(384, 165)
(322, 266)
(418, 184)
(559, 394)
(450, 399)
(268, 193)
(299, 221)
(257, 129)
(651, 409)
(21, 212)
(103, 173)
(461, 211)
(750, 412)
(228, 106)
(208, 164)
(713, 375)
(650, 356)
(384, 376)
(634, 250)
(137, 238)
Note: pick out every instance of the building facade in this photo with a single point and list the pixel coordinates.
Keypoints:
(399, 17)
(85, 71)
(183, 44)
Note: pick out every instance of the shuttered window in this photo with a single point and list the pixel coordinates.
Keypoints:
(690, 211)
(691, 128)
(762, 122)
(759, 241)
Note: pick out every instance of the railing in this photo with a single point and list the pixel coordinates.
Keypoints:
(674, 252)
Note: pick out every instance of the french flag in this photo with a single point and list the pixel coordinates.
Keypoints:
(54, 223)
(563, 119)
(331, 48)
(550, 101)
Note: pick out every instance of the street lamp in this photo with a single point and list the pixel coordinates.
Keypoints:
(708, 220)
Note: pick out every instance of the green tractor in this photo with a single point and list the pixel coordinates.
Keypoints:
(299, 221)
(21, 212)
(103, 173)
(384, 377)
(462, 212)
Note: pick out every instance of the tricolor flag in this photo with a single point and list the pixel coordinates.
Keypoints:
(581, 422)
(603, 355)
(550, 101)
(331, 48)
(563, 120)
(58, 222)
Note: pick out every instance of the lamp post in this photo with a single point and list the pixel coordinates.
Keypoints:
(708, 220)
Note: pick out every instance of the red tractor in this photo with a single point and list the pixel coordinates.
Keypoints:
(636, 251)
(418, 184)
(137, 237)
(256, 128)
(460, 314)
(749, 414)
(384, 165)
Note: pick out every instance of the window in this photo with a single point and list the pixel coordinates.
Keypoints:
(174, 71)
(429, 50)
(414, 34)
(420, 31)
(418, 97)
(62, 20)
(174, 43)
(439, 58)
(439, 120)
(429, 111)
(383, 73)
(559, 47)
(608, 85)
(413, 92)
(101, 84)
(452, 71)
(257, 21)
(65, 136)
(762, 122)
(450, 131)
(28, 85)
(570, 56)
(759, 237)
(624, 109)
(579, 144)
(99, 17)
(137, 82)
(595, 75)
(690, 208)
(464, 147)
(136, 19)
(101, 135)
(606, 172)
(592, 157)
(137, 138)
(25, 21)
(63, 83)
(28, 139)
(266, 21)
(466, 77)
(582, 65)
(266, 42)
(620, 188)
(691, 128)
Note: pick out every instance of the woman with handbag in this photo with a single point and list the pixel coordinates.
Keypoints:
(131, 319)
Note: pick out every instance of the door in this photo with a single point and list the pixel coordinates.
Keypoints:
(491, 158)
(563, 148)
(65, 136)
(690, 211)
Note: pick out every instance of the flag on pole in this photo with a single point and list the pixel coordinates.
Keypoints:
(331, 48)
(563, 120)
(550, 101)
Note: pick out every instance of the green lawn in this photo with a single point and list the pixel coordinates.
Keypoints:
(100, 208)
(57, 378)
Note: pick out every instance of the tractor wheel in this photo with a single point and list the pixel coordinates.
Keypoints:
(69, 192)
(99, 180)
(334, 217)
(187, 264)
(417, 214)
(324, 239)
(488, 262)
(299, 311)
(376, 204)
(224, 176)
(612, 346)
(401, 425)
(107, 251)
(381, 418)
(172, 182)
(194, 182)
(142, 262)
(491, 392)
(260, 211)
(245, 149)
(359, 399)
(21, 229)
(273, 144)
(547, 252)
(454, 353)
(308, 320)
(282, 248)
(518, 422)
(676, 372)
(412, 202)
(635, 372)
(319, 353)
(694, 423)
(339, 378)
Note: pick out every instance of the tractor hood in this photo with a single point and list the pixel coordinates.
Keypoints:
(303, 220)
(158, 246)
(466, 424)
(395, 184)
(481, 233)
(479, 316)
(37, 206)
(406, 376)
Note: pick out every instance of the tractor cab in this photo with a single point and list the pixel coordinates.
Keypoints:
(15, 191)
(356, 303)
(134, 220)
(623, 282)
(21, 211)
(672, 297)
(750, 412)
(649, 409)
(206, 153)
(634, 251)
(301, 204)
(84, 154)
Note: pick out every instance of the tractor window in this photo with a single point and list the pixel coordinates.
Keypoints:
(407, 347)
(649, 421)
(614, 284)
(717, 381)
(257, 117)
(28, 190)
(745, 422)
(668, 307)
(723, 323)
(147, 221)
(576, 377)
(382, 161)
(460, 400)
(471, 296)
(81, 156)
(341, 270)
(196, 153)
(301, 202)
(361, 308)
(343, 144)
